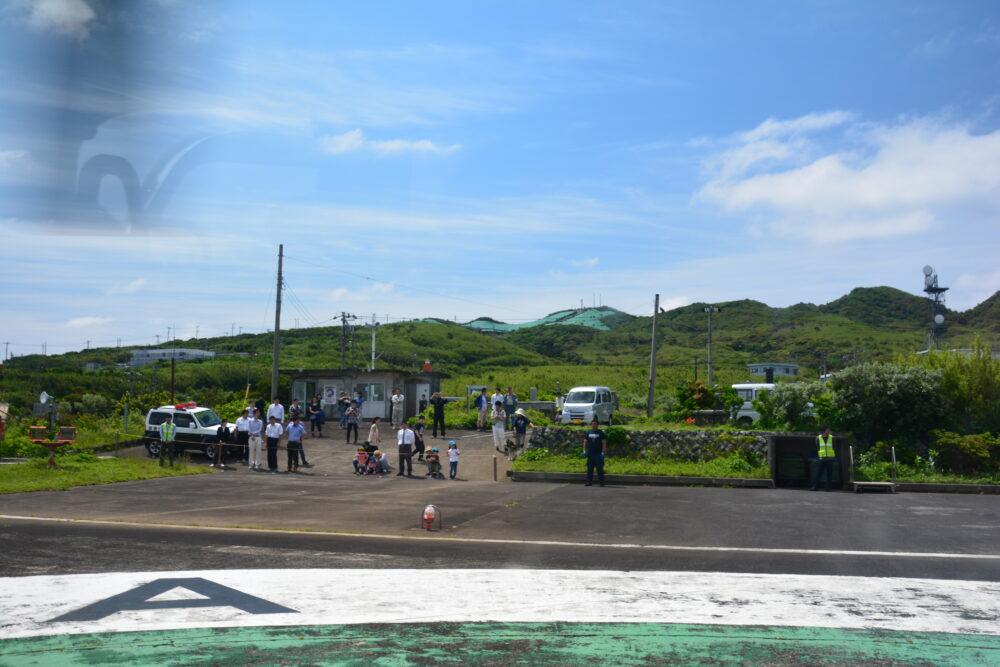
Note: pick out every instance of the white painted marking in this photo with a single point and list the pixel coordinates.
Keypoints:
(487, 540)
(361, 596)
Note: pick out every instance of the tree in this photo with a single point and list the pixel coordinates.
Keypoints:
(970, 384)
(888, 402)
(789, 405)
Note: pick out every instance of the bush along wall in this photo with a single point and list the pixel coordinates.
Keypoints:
(673, 445)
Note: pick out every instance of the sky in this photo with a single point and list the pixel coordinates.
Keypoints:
(503, 159)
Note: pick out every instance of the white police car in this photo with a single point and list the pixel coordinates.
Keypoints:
(196, 428)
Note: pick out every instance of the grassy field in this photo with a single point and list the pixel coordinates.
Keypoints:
(82, 470)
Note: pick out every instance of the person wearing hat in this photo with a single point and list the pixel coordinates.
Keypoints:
(433, 461)
(453, 454)
(521, 424)
(595, 445)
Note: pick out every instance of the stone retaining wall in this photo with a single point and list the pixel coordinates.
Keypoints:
(675, 445)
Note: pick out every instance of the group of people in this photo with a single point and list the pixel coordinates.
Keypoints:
(252, 436)
(502, 413)
(371, 460)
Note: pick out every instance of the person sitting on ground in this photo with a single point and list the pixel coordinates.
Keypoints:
(433, 461)
(372, 466)
(360, 461)
(382, 466)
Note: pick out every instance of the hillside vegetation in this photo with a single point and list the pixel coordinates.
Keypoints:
(869, 324)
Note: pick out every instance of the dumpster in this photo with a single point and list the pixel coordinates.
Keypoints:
(793, 460)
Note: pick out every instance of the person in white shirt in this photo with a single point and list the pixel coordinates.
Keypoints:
(243, 434)
(254, 440)
(406, 439)
(397, 408)
(497, 396)
(374, 439)
(276, 410)
(273, 433)
(497, 417)
(453, 454)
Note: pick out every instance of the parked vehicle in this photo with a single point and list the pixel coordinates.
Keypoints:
(197, 428)
(582, 405)
(745, 414)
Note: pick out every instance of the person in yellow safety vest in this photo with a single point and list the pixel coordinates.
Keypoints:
(168, 433)
(827, 456)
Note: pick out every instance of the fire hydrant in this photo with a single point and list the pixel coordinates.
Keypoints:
(431, 514)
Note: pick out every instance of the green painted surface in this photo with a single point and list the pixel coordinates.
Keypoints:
(506, 643)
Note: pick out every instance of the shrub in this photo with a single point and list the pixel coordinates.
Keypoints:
(967, 454)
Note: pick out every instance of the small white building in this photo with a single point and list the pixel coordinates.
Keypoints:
(779, 370)
(148, 356)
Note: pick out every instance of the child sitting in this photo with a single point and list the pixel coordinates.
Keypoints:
(433, 461)
(360, 461)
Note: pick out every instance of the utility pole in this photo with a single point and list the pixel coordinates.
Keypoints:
(88, 344)
(157, 338)
(374, 327)
(651, 397)
(6, 346)
(277, 326)
(196, 328)
(710, 310)
(45, 349)
(232, 329)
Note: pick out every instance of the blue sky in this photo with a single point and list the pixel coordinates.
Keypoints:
(507, 159)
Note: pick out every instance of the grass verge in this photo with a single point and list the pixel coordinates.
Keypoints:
(84, 469)
(880, 472)
(729, 466)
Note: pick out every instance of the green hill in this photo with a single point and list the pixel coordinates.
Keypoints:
(599, 345)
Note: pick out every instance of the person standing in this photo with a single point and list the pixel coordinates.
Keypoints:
(296, 432)
(405, 439)
(225, 437)
(423, 403)
(453, 454)
(483, 406)
(497, 418)
(273, 433)
(374, 439)
(315, 417)
(521, 424)
(243, 434)
(296, 409)
(352, 423)
(260, 406)
(255, 441)
(509, 406)
(595, 444)
(826, 458)
(397, 399)
(344, 403)
(438, 402)
(276, 410)
(418, 438)
(168, 434)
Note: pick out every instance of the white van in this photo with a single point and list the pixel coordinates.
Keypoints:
(196, 428)
(745, 414)
(582, 405)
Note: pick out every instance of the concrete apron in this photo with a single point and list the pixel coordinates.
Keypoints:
(495, 617)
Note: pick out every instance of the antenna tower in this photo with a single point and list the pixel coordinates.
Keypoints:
(935, 294)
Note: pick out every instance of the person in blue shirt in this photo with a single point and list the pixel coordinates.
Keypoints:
(296, 432)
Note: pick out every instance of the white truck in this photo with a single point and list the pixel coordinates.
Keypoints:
(582, 405)
(745, 414)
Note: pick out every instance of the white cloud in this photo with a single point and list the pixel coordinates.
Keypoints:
(65, 17)
(355, 140)
(878, 181)
(130, 288)
(587, 263)
(87, 321)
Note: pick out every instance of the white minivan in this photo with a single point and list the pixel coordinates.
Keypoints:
(582, 405)
(745, 414)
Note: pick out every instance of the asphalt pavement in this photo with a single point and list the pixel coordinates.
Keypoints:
(325, 516)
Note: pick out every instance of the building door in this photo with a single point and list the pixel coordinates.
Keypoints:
(374, 395)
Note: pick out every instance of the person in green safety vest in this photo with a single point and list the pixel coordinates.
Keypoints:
(168, 433)
(827, 458)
